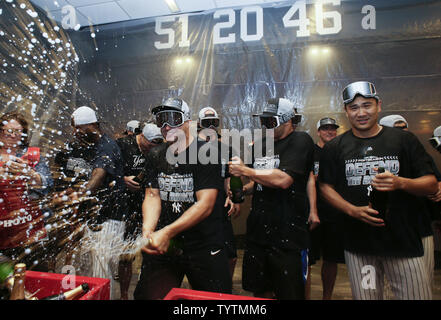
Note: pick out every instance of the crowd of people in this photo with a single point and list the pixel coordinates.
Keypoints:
(309, 200)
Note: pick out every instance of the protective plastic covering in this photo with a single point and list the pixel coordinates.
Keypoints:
(127, 68)
(232, 60)
(394, 44)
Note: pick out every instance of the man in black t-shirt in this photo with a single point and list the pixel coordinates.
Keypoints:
(425, 218)
(378, 244)
(208, 124)
(277, 231)
(327, 238)
(134, 149)
(107, 184)
(182, 212)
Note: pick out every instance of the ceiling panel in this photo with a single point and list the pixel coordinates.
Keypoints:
(107, 11)
(195, 5)
(104, 13)
(50, 5)
(236, 3)
(81, 3)
(144, 9)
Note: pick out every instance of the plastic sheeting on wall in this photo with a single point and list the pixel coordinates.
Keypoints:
(125, 73)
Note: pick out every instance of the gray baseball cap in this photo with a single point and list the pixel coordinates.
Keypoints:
(327, 121)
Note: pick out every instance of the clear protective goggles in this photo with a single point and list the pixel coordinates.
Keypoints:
(270, 122)
(171, 118)
(436, 143)
(209, 122)
(363, 88)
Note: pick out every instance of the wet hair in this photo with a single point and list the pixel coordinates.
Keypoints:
(21, 120)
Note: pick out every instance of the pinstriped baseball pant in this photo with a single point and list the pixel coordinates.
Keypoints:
(429, 257)
(408, 277)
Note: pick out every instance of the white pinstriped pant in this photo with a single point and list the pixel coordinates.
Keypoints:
(429, 257)
(408, 277)
(103, 263)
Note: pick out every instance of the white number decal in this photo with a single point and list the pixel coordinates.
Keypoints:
(217, 39)
(184, 33)
(244, 23)
(171, 33)
(164, 31)
(333, 15)
(302, 22)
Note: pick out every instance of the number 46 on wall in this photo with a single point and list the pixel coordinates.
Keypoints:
(303, 22)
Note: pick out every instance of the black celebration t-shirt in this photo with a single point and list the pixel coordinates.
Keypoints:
(348, 163)
(178, 184)
(279, 216)
(326, 212)
(134, 162)
(108, 157)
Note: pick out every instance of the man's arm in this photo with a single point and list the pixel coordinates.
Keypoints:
(96, 180)
(273, 178)
(422, 186)
(313, 219)
(206, 199)
(151, 211)
(364, 214)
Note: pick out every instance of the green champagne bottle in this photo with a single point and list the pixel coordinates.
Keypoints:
(6, 271)
(174, 248)
(236, 188)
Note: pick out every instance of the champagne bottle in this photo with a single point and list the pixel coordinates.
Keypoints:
(6, 271)
(7, 280)
(69, 295)
(140, 177)
(379, 200)
(236, 188)
(18, 290)
(174, 248)
(6, 268)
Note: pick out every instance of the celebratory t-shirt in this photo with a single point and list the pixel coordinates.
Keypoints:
(279, 216)
(326, 212)
(108, 157)
(178, 184)
(348, 163)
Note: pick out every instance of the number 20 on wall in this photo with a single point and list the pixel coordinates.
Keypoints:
(302, 23)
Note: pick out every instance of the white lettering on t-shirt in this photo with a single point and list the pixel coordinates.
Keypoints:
(361, 171)
(263, 163)
(176, 188)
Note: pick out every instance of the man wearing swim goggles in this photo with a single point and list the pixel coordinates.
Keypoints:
(182, 210)
(173, 117)
(280, 115)
(274, 262)
(347, 178)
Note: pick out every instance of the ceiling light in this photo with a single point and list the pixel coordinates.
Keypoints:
(188, 60)
(179, 61)
(172, 6)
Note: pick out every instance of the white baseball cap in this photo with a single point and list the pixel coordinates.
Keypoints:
(84, 115)
(132, 125)
(437, 132)
(210, 110)
(151, 131)
(389, 121)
